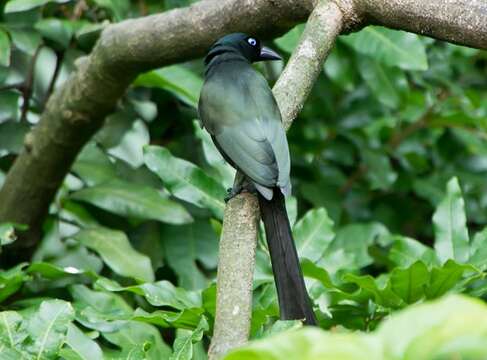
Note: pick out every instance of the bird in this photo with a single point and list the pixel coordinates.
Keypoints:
(237, 108)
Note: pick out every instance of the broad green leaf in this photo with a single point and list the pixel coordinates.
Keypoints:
(23, 5)
(185, 319)
(102, 311)
(185, 180)
(4, 48)
(183, 345)
(177, 79)
(12, 136)
(406, 251)
(289, 40)
(478, 255)
(313, 233)
(349, 249)
(133, 200)
(409, 283)
(60, 31)
(47, 328)
(184, 246)
(119, 8)
(384, 81)
(143, 339)
(116, 251)
(339, 67)
(12, 331)
(450, 225)
(445, 278)
(9, 111)
(25, 40)
(379, 170)
(93, 166)
(11, 280)
(129, 147)
(82, 345)
(382, 294)
(391, 47)
(161, 293)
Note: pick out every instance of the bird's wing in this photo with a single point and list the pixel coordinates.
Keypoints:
(242, 115)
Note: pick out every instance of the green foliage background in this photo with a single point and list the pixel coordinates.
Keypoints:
(389, 208)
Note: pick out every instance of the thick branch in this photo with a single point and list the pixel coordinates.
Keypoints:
(460, 21)
(234, 280)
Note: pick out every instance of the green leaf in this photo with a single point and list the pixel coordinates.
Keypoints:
(349, 249)
(129, 147)
(379, 170)
(93, 166)
(12, 330)
(4, 48)
(410, 283)
(450, 225)
(185, 319)
(12, 136)
(11, 280)
(185, 180)
(161, 293)
(183, 345)
(47, 328)
(384, 82)
(406, 251)
(116, 251)
(26, 40)
(9, 111)
(394, 48)
(184, 246)
(23, 5)
(478, 249)
(60, 31)
(133, 200)
(176, 79)
(290, 40)
(445, 278)
(139, 340)
(82, 345)
(313, 233)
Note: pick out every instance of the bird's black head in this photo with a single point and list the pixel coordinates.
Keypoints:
(247, 46)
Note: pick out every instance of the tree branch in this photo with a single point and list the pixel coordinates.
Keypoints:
(237, 244)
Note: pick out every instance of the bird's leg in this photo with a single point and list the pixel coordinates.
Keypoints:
(241, 184)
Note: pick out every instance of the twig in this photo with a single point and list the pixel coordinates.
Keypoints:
(28, 83)
(234, 285)
(59, 61)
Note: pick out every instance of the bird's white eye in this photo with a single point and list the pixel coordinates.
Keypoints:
(252, 41)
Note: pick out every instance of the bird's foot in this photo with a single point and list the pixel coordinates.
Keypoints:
(236, 190)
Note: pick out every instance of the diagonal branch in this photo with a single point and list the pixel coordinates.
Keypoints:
(239, 235)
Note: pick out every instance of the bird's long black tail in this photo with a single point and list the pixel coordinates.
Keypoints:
(294, 302)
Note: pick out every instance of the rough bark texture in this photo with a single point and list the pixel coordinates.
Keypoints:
(236, 259)
(459, 21)
(76, 111)
(234, 290)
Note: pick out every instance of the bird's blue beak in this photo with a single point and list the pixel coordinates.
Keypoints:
(268, 54)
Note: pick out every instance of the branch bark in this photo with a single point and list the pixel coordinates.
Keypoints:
(238, 243)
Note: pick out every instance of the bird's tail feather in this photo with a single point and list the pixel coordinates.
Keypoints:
(294, 302)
